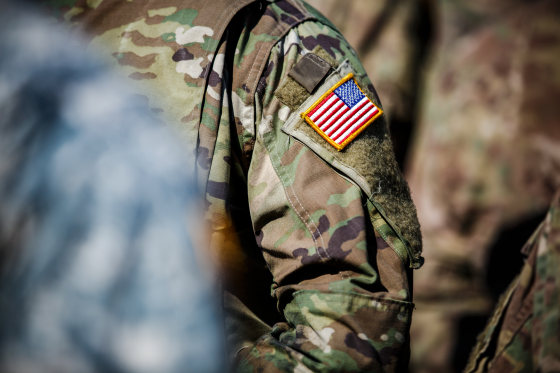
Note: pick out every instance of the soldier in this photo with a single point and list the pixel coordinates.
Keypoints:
(98, 269)
(484, 166)
(291, 143)
(523, 335)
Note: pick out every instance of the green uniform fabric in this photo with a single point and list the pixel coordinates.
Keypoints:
(485, 164)
(523, 335)
(316, 245)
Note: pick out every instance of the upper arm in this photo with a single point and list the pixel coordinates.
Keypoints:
(332, 225)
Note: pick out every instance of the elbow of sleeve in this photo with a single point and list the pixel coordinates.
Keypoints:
(333, 332)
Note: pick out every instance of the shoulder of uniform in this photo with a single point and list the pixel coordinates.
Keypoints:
(328, 103)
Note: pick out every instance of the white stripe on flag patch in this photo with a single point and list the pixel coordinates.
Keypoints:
(355, 112)
(323, 107)
(342, 113)
(367, 109)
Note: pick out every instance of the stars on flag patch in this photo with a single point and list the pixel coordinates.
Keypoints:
(342, 113)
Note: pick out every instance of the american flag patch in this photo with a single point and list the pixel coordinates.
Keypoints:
(342, 113)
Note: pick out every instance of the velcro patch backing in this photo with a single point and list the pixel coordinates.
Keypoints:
(369, 162)
(310, 71)
(292, 93)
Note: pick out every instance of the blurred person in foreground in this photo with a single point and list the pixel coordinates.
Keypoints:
(98, 269)
(322, 213)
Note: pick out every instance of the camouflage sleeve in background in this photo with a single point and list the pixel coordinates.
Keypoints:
(337, 229)
(523, 335)
(484, 166)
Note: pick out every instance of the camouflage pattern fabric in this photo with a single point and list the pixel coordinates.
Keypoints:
(484, 166)
(483, 163)
(523, 335)
(332, 235)
(98, 269)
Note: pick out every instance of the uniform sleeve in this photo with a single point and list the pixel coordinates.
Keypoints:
(332, 225)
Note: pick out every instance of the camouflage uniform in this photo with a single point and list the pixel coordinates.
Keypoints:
(98, 271)
(332, 235)
(484, 166)
(523, 335)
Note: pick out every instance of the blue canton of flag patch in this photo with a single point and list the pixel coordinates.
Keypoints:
(349, 93)
(342, 113)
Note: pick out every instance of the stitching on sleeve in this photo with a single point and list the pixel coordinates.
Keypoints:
(277, 160)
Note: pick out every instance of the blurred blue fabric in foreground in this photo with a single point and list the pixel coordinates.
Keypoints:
(98, 270)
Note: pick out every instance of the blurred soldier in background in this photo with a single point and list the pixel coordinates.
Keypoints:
(98, 270)
(523, 335)
(327, 227)
(485, 160)
(485, 164)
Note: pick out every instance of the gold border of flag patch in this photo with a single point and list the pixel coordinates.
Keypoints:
(338, 147)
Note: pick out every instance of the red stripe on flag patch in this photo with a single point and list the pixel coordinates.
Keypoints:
(342, 113)
(321, 104)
